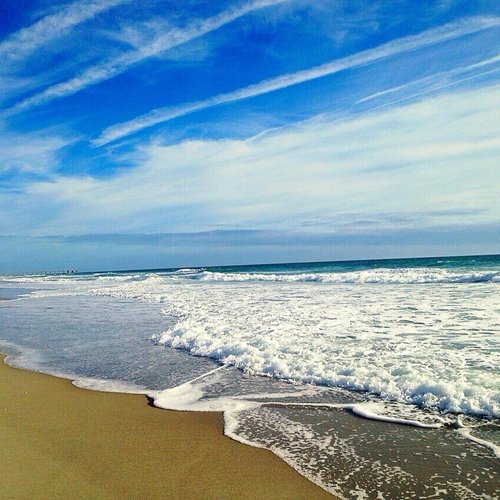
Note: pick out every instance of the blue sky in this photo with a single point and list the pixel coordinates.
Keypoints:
(163, 133)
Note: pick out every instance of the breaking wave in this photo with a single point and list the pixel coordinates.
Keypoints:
(377, 276)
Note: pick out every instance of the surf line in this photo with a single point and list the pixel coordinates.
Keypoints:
(361, 410)
(199, 377)
(465, 431)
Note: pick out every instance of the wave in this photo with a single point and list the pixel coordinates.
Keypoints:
(433, 347)
(377, 276)
(391, 276)
(407, 385)
(188, 270)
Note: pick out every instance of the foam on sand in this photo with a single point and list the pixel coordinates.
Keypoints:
(467, 433)
(252, 419)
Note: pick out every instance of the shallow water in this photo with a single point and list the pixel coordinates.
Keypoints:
(414, 345)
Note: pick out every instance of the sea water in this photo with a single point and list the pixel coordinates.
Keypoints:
(375, 379)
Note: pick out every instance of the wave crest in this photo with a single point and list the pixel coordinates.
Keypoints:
(377, 276)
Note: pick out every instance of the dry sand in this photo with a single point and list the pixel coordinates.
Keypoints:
(59, 441)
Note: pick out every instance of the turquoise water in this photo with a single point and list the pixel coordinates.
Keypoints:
(471, 262)
(479, 262)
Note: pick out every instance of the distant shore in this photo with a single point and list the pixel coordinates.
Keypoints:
(60, 441)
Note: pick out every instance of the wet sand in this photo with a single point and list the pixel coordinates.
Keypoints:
(60, 441)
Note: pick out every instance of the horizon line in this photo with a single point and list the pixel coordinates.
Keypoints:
(156, 269)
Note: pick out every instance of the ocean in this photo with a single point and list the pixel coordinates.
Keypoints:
(374, 379)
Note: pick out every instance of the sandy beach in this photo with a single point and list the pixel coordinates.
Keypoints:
(60, 441)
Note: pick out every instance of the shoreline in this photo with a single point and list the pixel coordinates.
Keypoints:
(63, 441)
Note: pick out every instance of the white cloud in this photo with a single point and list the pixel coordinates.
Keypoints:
(439, 154)
(34, 152)
(26, 40)
(442, 77)
(161, 43)
(398, 46)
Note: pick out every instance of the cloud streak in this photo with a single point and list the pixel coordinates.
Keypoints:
(436, 76)
(107, 70)
(394, 47)
(255, 237)
(436, 155)
(26, 40)
(433, 89)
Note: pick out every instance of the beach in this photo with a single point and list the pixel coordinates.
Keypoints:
(61, 441)
(370, 379)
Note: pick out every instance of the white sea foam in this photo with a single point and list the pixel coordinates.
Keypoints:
(188, 270)
(369, 410)
(374, 411)
(189, 396)
(467, 433)
(372, 276)
(417, 275)
(434, 347)
(32, 359)
(107, 385)
(257, 423)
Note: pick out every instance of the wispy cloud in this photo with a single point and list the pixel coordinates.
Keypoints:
(432, 155)
(440, 76)
(31, 152)
(394, 47)
(27, 40)
(161, 43)
(425, 172)
(434, 89)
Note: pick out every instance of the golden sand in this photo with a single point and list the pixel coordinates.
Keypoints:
(59, 441)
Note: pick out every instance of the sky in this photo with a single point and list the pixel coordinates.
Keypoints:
(163, 133)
